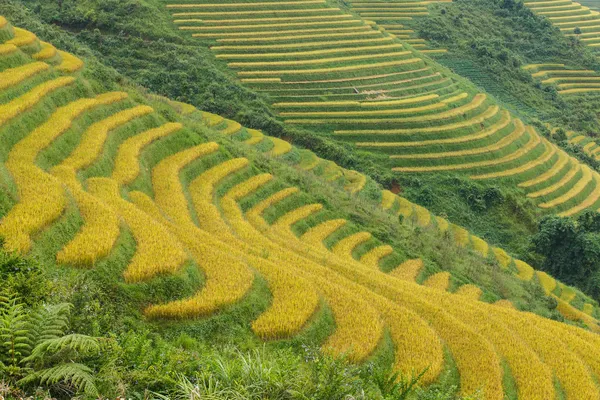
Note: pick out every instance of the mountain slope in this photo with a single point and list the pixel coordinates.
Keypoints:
(382, 96)
(97, 176)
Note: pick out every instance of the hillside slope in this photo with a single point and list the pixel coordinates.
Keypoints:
(384, 97)
(104, 181)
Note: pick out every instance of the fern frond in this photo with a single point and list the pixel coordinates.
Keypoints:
(80, 344)
(78, 376)
(49, 322)
(15, 343)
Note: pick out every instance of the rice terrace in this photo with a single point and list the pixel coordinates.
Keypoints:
(299, 199)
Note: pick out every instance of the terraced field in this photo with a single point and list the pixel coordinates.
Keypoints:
(122, 171)
(355, 182)
(391, 15)
(572, 18)
(330, 71)
(568, 81)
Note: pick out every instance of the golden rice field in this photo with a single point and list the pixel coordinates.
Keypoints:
(359, 78)
(192, 213)
(418, 215)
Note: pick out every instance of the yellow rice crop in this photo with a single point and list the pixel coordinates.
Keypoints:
(7, 49)
(477, 102)
(505, 304)
(588, 308)
(239, 12)
(47, 52)
(387, 199)
(26, 150)
(93, 139)
(439, 281)
(41, 201)
(294, 33)
(343, 50)
(12, 76)
(157, 251)
(442, 224)
(470, 291)
(563, 159)
(347, 68)
(583, 90)
(344, 247)
(211, 119)
(225, 28)
(575, 167)
(324, 104)
(546, 156)
(567, 293)
(301, 45)
(354, 332)
(231, 128)
(268, 37)
(411, 350)
(41, 196)
(423, 215)
(165, 181)
(374, 256)
(525, 270)
(294, 298)
(202, 192)
(461, 235)
(534, 141)
(227, 277)
(504, 142)
(490, 112)
(315, 61)
(480, 245)
(579, 186)
(399, 111)
(252, 20)
(575, 380)
(399, 102)
(521, 358)
(100, 229)
(22, 38)
(547, 282)
(502, 256)
(459, 336)
(408, 270)
(19, 105)
(352, 327)
(406, 208)
(143, 202)
(589, 201)
(256, 137)
(356, 181)
(127, 166)
(227, 280)
(280, 147)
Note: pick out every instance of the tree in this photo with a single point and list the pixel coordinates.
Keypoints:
(577, 30)
(571, 251)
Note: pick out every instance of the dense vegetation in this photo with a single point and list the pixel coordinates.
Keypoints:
(368, 276)
(490, 41)
(144, 48)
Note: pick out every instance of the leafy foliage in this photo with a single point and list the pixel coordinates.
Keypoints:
(571, 250)
(34, 350)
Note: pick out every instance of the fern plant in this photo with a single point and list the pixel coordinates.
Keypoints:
(35, 349)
